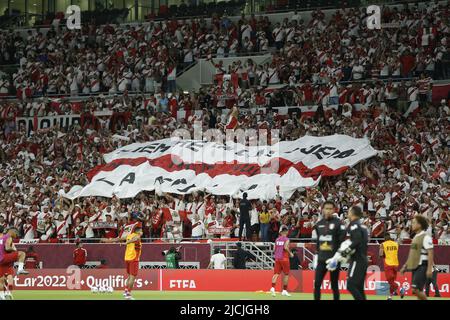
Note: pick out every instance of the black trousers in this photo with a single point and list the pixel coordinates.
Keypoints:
(248, 229)
(432, 281)
(356, 277)
(419, 277)
(321, 271)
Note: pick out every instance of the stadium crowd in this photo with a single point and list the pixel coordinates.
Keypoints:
(146, 57)
(409, 176)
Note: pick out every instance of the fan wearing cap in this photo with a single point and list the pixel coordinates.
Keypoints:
(282, 255)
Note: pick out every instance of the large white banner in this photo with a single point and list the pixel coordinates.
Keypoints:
(184, 166)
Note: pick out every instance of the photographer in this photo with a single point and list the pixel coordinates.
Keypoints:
(172, 256)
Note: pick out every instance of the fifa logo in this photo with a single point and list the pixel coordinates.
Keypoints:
(374, 18)
(73, 14)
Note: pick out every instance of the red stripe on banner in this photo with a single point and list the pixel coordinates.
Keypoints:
(277, 165)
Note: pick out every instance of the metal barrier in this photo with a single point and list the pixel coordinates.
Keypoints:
(195, 240)
(253, 6)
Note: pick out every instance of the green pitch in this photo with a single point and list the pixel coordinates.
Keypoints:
(176, 295)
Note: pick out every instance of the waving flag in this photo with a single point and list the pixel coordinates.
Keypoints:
(184, 166)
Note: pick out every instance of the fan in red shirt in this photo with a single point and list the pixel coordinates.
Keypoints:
(210, 206)
(79, 255)
(305, 227)
(110, 232)
(307, 91)
(157, 219)
(229, 220)
(407, 60)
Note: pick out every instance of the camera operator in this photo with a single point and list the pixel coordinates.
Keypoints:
(172, 256)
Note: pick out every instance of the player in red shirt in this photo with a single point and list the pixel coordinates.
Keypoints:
(9, 255)
(282, 255)
(79, 255)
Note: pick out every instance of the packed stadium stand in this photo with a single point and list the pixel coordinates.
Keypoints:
(326, 74)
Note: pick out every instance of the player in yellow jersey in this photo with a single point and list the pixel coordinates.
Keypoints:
(132, 255)
(389, 250)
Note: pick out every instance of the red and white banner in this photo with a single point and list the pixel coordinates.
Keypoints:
(184, 166)
(204, 280)
(219, 230)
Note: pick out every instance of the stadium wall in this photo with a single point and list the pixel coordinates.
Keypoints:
(202, 280)
(60, 255)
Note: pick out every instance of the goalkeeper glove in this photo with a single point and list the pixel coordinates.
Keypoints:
(345, 250)
(332, 264)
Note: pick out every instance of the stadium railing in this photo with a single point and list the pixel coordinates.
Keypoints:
(177, 240)
(107, 95)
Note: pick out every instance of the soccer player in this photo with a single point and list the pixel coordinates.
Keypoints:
(132, 255)
(420, 258)
(282, 254)
(330, 234)
(354, 250)
(9, 255)
(389, 250)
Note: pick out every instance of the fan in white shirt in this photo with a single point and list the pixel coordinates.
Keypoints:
(198, 227)
(246, 30)
(108, 211)
(278, 33)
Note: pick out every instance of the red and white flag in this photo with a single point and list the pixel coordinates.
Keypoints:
(186, 166)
